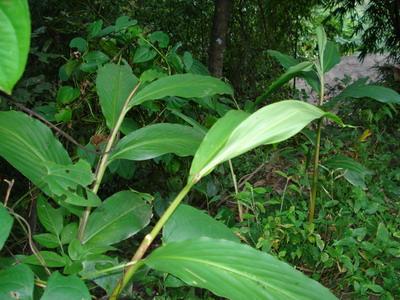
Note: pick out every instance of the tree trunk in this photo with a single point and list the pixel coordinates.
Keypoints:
(219, 34)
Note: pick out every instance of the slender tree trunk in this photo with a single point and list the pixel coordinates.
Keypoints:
(219, 34)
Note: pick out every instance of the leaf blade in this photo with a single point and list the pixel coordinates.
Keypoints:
(15, 31)
(181, 85)
(156, 140)
(228, 270)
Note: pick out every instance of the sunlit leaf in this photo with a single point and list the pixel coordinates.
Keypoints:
(234, 271)
(156, 140)
(271, 124)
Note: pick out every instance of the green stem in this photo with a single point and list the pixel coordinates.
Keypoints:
(314, 184)
(148, 239)
(104, 160)
(240, 207)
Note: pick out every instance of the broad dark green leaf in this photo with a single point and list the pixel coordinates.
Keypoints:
(143, 54)
(286, 77)
(331, 56)
(119, 217)
(156, 140)
(67, 94)
(354, 172)
(51, 218)
(60, 178)
(6, 223)
(286, 61)
(182, 85)
(15, 31)
(375, 92)
(65, 288)
(114, 84)
(271, 124)
(16, 282)
(234, 271)
(30, 147)
(79, 43)
(50, 259)
(188, 223)
(69, 232)
(47, 240)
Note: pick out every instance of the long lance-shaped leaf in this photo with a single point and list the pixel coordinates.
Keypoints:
(235, 271)
(156, 140)
(15, 31)
(31, 148)
(182, 85)
(271, 124)
(286, 77)
(375, 92)
(114, 83)
(119, 217)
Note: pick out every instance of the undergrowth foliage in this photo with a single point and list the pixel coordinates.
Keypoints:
(121, 72)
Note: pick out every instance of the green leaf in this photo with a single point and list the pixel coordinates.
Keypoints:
(124, 22)
(51, 218)
(286, 77)
(216, 138)
(93, 60)
(286, 61)
(47, 240)
(143, 54)
(234, 271)
(331, 56)
(181, 85)
(119, 217)
(375, 92)
(51, 259)
(69, 232)
(30, 147)
(60, 178)
(188, 223)
(114, 84)
(67, 94)
(6, 223)
(156, 140)
(160, 37)
(269, 125)
(65, 288)
(64, 115)
(16, 282)
(321, 39)
(354, 172)
(79, 43)
(15, 31)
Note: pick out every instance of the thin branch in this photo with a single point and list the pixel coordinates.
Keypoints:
(10, 186)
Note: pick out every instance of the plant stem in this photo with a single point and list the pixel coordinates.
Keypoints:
(104, 160)
(240, 207)
(148, 239)
(314, 184)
